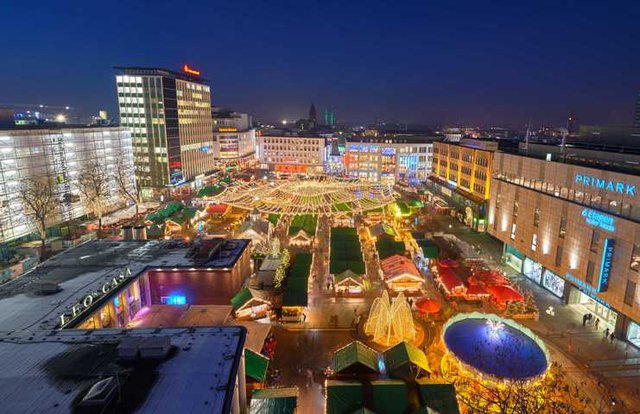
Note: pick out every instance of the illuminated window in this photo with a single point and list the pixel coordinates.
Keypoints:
(513, 231)
(563, 227)
(536, 217)
(534, 242)
(635, 258)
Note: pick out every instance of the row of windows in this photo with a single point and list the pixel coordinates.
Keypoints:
(590, 199)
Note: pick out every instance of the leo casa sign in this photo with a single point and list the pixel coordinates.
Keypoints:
(88, 300)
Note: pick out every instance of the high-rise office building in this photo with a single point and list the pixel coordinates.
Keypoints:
(169, 116)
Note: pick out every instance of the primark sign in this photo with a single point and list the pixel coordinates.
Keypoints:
(619, 187)
(87, 302)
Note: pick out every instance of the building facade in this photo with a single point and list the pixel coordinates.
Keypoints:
(389, 160)
(234, 139)
(169, 117)
(574, 230)
(61, 154)
(292, 154)
(461, 176)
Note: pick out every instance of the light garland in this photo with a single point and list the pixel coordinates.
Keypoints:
(317, 195)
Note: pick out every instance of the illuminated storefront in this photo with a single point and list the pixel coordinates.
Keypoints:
(532, 270)
(389, 160)
(579, 225)
(513, 258)
(553, 283)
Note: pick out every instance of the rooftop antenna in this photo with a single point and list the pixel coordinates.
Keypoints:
(564, 141)
(526, 138)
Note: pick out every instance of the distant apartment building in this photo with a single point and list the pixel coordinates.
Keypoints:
(60, 153)
(169, 116)
(293, 154)
(573, 228)
(461, 177)
(234, 138)
(388, 160)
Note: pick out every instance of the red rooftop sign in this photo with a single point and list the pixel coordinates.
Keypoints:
(190, 71)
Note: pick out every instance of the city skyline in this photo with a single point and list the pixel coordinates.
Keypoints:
(467, 64)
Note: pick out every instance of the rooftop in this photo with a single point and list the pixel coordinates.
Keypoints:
(147, 71)
(52, 371)
(83, 271)
(603, 156)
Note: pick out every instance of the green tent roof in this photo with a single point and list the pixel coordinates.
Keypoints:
(242, 297)
(209, 191)
(255, 365)
(388, 247)
(189, 212)
(347, 274)
(304, 222)
(274, 401)
(295, 298)
(405, 353)
(343, 397)
(416, 203)
(301, 266)
(429, 249)
(440, 397)
(355, 353)
(346, 251)
(389, 396)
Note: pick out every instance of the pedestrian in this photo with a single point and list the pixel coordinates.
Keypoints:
(309, 377)
(597, 322)
(612, 337)
(304, 317)
(584, 319)
(606, 332)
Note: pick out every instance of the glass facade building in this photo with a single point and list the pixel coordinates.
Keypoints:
(60, 153)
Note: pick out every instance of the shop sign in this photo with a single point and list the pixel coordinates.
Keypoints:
(89, 300)
(612, 186)
(597, 219)
(605, 265)
(190, 71)
(587, 289)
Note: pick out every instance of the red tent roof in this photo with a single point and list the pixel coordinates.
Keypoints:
(448, 263)
(398, 265)
(449, 279)
(490, 277)
(505, 293)
(476, 290)
(217, 208)
(427, 305)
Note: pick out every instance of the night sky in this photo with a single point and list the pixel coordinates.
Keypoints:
(455, 62)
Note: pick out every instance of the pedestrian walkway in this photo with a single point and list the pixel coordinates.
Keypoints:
(613, 368)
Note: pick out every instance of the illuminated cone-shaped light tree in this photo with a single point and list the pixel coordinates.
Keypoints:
(390, 322)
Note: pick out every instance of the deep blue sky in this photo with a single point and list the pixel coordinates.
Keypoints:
(423, 61)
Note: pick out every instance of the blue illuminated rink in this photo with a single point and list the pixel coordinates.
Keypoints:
(507, 354)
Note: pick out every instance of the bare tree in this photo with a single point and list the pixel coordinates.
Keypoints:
(128, 185)
(40, 203)
(93, 184)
